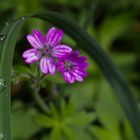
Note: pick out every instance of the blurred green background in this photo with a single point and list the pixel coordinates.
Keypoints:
(85, 110)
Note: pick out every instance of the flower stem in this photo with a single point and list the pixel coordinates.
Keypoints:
(40, 102)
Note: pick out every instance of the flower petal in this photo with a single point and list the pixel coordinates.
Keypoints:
(51, 65)
(81, 59)
(36, 39)
(80, 71)
(81, 65)
(61, 50)
(53, 37)
(47, 65)
(39, 38)
(34, 43)
(68, 77)
(60, 66)
(75, 53)
(30, 53)
(77, 76)
(32, 59)
(49, 33)
(43, 65)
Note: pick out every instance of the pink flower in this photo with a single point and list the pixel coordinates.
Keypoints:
(46, 49)
(72, 67)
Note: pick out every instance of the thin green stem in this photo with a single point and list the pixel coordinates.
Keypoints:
(40, 102)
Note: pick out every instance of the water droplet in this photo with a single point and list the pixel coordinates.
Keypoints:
(23, 18)
(3, 84)
(2, 37)
(6, 23)
(1, 136)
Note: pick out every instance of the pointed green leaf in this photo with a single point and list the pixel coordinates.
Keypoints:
(63, 109)
(53, 111)
(100, 133)
(44, 121)
(82, 119)
(68, 133)
(56, 134)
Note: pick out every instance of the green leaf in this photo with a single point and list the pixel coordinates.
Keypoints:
(7, 45)
(81, 134)
(68, 133)
(81, 119)
(57, 78)
(100, 133)
(63, 109)
(113, 27)
(110, 115)
(72, 106)
(56, 134)
(34, 68)
(22, 125)
(104, 134)
(45, 121)
(54, 112)
(65, 121)
(22, 69)
(108, 109)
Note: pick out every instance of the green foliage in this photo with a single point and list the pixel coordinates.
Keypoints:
(22, 125)
(115, 25)
(111, 73)
(57, 78)
(65, 120)
(114, 123)
(112, 27)
(104, 107)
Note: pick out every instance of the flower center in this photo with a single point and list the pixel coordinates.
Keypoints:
(68, 65)
(46, 51)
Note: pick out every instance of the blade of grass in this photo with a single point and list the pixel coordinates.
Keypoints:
(112, 74)
(10, 33)
(89, 14)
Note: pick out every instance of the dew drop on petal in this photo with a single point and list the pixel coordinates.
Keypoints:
(3, 84)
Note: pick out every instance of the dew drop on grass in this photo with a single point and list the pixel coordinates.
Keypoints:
(6, 23)
(3, 84)
(1, 136)
(23, 18)
(2, 38)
